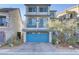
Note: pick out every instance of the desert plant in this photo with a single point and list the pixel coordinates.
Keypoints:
(72, 40)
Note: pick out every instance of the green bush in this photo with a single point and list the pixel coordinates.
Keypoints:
(10, 42)
(72, 40)
(17, 42)
(54, 40)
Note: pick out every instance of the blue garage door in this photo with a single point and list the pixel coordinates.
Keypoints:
(37, 37)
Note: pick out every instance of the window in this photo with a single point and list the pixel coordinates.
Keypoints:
(43, 22)
(53, 15)
(67, 16)
(32, 9)
(3, 21)
(43, 9)
(32, 22)
(71, 15)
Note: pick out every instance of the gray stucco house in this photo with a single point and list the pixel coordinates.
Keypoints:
(36, 24)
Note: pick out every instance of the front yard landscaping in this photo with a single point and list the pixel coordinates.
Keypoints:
(12, 42)
(66, 32)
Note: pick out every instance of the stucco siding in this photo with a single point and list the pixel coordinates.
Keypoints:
(74, 8)
(14, 24)
(37, 15)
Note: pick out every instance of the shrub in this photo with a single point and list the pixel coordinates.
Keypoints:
(10, 42)
(17, 42)
(72, 40)
(54, 40)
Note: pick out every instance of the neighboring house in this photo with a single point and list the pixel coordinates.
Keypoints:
(37, 16)
(10, 24)
(69, 13)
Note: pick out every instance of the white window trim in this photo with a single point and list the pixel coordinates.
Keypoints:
(32, 7)
(7, 19)
(42, 7)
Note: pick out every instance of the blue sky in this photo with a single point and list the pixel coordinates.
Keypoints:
(21, 6)
(58, 7)
(61, 7)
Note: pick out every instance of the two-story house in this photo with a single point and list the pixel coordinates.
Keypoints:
(10, 24)
(69, 13)
(36, 29)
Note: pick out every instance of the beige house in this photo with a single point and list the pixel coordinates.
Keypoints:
(71, 12)
(10, 24)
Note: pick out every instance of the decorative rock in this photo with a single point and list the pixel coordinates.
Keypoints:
(71, 46)
(57, 42)
(0, 45)
(11, 45)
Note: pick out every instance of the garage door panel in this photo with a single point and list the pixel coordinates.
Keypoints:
(37, 37)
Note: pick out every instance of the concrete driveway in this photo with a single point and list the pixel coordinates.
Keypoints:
(38, 48)
(35, 47)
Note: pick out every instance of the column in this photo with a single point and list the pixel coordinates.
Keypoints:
(37, 22)
(50, 37)
(24, 37)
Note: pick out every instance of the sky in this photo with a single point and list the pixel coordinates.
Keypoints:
(61, 7)
(20, 6)
(58, 7)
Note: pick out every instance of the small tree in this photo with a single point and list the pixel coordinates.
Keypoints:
(56, 25)
(68, 27)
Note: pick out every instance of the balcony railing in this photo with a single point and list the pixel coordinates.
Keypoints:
(38, 13)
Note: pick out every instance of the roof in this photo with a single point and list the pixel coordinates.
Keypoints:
(7, 9)
(37, 4)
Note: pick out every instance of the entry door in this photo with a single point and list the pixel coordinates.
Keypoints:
(2, 36)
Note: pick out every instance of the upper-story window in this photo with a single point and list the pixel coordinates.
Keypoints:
(32, 9)
(43, 22)
(3, 21)
(32, 22)
(43, 9)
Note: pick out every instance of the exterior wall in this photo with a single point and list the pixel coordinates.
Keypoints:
(14, 24)
(5, 28)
